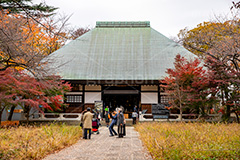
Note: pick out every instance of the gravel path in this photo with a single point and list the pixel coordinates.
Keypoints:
(103, 147)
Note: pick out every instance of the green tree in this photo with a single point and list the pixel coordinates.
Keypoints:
(27, 6)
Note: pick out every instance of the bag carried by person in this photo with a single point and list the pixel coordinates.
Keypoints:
(124, 130)
(134, 114)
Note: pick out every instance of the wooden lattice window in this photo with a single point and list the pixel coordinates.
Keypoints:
(74, 98)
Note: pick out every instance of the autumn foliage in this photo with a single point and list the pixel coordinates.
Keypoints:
(19, 88)
(226, 80)
(217, 43)
(202, 86)
(25, 39)
(186, 83)
(24, 42)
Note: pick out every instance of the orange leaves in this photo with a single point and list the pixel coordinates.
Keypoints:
(24, 42)
(218, 38)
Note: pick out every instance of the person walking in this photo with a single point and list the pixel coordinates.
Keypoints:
(87, 123)
(81, 124)
(135, 114)
(114, 122)
(120, 123)
(135, 109)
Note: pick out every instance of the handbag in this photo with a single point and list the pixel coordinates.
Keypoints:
(81, 124)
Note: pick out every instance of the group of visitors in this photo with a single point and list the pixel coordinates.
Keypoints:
(117, 119)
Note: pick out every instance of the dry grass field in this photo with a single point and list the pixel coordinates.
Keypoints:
(191, 140)
(35, 142)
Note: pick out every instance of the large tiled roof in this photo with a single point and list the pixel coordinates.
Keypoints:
(117, 51)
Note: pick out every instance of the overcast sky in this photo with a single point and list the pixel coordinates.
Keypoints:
(166, 16)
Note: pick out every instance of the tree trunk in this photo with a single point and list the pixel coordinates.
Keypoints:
(0, 117)
(236, 116)
(27, 116)
(26, 111)
(11, 113)
(228, 112)
(1, 111)
(181, 112)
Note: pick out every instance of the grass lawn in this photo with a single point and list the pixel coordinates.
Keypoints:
(191, 140)
(35, 142)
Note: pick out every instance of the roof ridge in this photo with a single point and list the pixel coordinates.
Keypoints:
(122, 24)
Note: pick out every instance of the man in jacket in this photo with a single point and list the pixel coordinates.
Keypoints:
(87, 123)
(114, 122)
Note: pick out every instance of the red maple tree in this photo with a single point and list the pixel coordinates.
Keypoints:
(225, 81)
(19, 88)
(202, 86)
(186, 83)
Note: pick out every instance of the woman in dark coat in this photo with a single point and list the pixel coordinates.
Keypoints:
(120, 123)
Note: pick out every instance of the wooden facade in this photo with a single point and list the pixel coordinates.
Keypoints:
(85, 94)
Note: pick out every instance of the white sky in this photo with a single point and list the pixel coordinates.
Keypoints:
(166, 16)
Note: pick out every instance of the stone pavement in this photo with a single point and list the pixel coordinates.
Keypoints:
(103, 147)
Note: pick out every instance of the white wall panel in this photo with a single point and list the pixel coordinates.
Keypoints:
(149, 97)
(91, 97)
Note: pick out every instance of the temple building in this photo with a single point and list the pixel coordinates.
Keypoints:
(118, 64)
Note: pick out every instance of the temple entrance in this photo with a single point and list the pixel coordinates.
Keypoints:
(116, 96)
(116, 100)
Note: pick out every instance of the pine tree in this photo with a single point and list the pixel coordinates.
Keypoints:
(27, 6)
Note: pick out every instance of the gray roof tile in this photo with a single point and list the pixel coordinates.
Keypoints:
(117, 53)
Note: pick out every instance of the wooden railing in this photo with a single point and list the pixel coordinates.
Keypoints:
(53, 117)
(185, 117)
(142, 117)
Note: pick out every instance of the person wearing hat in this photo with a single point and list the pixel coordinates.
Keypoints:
(87, 123)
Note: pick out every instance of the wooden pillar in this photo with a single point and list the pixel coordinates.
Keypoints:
(83, 96)
(139, 96)
(159, 96)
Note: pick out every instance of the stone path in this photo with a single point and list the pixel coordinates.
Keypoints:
(103, 147)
